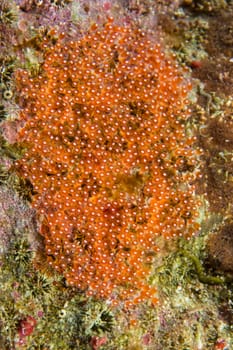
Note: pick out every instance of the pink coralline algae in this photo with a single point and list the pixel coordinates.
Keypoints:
(16, 219)
(26, 328)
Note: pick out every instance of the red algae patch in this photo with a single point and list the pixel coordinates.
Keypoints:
(108, 158)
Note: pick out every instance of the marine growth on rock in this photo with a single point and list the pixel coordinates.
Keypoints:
(108, 157)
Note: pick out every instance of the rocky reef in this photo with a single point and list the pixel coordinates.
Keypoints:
(116, 175)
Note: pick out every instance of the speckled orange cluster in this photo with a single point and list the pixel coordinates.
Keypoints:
(107, 154)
